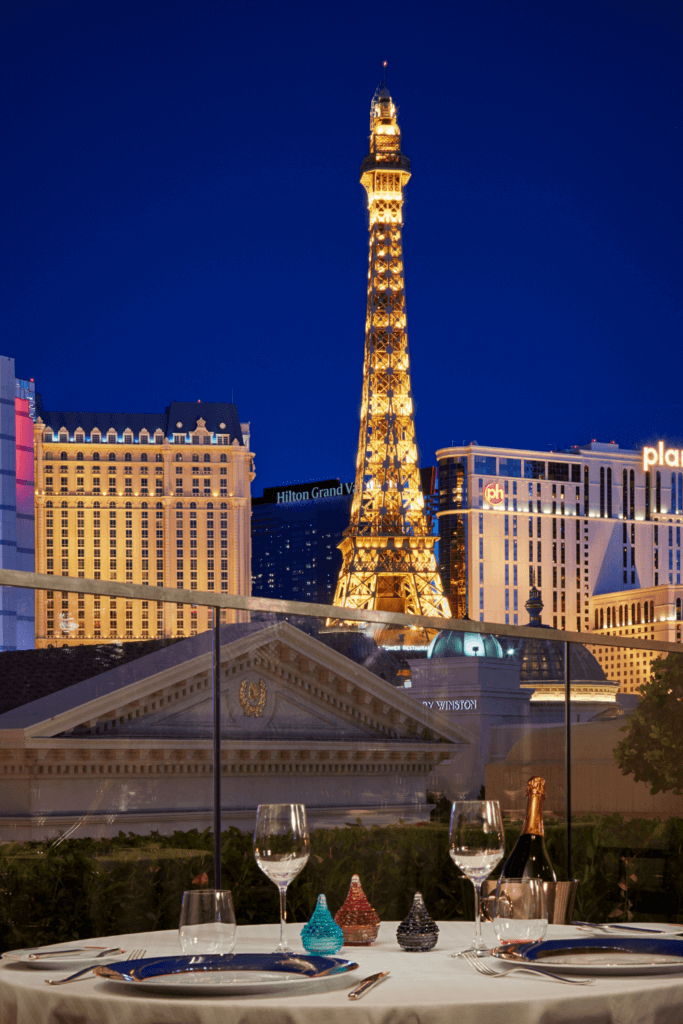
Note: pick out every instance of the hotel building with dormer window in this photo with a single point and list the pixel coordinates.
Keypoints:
(158, 499)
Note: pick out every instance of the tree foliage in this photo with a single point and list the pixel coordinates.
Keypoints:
(652, 750)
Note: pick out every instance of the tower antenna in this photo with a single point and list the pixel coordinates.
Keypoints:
(384, 74)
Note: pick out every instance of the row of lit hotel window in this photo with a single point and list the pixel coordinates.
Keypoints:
(113, 487)
(128, 457)
(628, 489)
(128, 470)
(207, 550)
(128, 633)
(606, 496)
(618, 615)
(111, 437)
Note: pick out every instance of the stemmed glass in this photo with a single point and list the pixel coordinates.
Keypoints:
(476, 842)
(281, 847)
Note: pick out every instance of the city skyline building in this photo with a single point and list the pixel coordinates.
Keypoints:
(296, 530)
(652, 613)
(295, 533)
(583, 525)
(17, 545)
(154, 498)
(388, 550)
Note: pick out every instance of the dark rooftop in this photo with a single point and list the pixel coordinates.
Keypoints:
(26, 676)
(186, 413)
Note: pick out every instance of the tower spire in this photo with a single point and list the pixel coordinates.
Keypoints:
(388, 548)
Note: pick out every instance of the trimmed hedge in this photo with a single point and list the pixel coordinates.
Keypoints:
(84, 887)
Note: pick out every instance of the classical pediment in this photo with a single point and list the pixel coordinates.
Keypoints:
(278, 684)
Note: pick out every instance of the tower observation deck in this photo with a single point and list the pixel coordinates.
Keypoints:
(388, 550)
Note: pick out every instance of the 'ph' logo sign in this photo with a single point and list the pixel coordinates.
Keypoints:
(493, 494)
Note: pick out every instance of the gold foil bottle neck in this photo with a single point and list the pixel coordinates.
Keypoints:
(535, 785)
(535, 795)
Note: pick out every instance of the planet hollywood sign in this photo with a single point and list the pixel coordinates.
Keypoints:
(660, 456)
(494, 494)
(465, 704)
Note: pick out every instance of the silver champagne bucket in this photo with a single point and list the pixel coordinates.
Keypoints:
(559, 895)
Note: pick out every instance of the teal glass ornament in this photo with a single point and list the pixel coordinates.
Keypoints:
(322, 934)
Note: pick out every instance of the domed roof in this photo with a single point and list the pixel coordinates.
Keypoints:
(543, 661)
(540, 660)
(448, 644)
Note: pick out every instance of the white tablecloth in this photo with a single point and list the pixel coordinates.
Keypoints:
(423, 988)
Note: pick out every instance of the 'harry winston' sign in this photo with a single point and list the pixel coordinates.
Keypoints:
(465, 704)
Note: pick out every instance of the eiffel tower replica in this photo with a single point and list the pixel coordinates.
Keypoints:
(388, 549)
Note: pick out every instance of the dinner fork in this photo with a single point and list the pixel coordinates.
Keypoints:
(487, 970)
(136, 954)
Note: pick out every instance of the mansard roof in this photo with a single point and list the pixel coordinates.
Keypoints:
(187, 413)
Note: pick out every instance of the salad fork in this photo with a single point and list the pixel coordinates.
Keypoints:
(487, 970)
(136, 954)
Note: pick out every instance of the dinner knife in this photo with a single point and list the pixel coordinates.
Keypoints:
(361, 989)
(98, 951)
(621, 927)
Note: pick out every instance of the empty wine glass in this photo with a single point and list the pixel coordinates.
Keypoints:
(520, 911)
(476, 842)
(281, 847)
(207, 921)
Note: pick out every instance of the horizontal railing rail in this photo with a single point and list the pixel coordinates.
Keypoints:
(171, 595)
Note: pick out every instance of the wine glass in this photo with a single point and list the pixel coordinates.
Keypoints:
(281, 847)
(476, 842)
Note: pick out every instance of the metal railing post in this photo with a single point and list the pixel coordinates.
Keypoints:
(216, 647)
(568, 758)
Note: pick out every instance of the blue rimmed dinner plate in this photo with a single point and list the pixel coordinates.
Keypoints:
(604, 954)
(230, 974)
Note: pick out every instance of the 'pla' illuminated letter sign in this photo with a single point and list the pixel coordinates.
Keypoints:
(494, 494)
(658, 457)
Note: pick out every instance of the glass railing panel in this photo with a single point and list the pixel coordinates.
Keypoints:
(627, 826)
(105, 772)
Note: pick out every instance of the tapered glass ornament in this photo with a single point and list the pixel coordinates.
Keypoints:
(322, 934)
(357, 919)
(418, 932)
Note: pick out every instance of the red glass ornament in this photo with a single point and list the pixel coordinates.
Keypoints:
(357, 919)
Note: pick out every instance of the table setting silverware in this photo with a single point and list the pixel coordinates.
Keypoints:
(101, 951)
(619, 927)
(364, 986)
(136, 954)
(489, 972)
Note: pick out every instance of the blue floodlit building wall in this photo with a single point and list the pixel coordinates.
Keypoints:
(17, 519)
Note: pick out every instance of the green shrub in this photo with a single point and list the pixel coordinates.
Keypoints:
(83, 887)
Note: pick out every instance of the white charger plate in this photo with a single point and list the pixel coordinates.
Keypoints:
(69, 962)
(229, 974)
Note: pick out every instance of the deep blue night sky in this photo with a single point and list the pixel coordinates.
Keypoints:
(185, 218)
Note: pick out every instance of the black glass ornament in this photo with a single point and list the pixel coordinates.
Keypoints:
(418, 933)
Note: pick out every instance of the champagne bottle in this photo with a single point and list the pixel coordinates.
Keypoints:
(529, 857)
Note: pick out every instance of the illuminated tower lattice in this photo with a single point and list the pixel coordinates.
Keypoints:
(388, 550)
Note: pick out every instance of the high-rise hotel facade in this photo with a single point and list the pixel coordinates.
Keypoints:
(159, 499)
(591, 520)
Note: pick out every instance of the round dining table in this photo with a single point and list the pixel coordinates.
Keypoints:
(422, 988)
